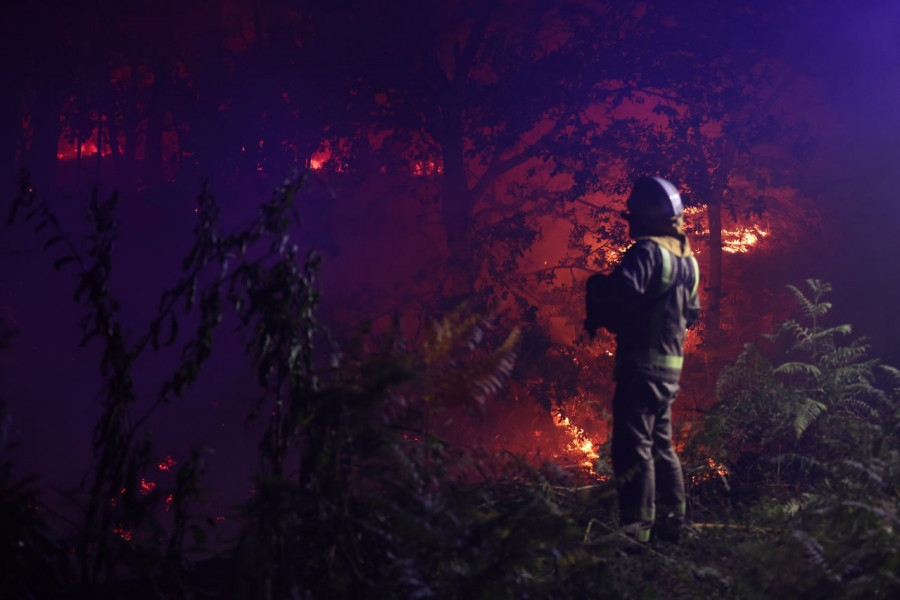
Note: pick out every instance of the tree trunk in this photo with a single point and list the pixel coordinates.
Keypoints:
(10, 128)
(714, 284)
(456, 197)
(41, 157)
(714, 214)
(153, 150)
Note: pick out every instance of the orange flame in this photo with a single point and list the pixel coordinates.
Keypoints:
(718, 468)
(579, 444)
(739, 240)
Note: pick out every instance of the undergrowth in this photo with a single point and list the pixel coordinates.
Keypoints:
(794, 476)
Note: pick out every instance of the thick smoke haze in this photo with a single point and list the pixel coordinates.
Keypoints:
(381, 242)
(853, 53)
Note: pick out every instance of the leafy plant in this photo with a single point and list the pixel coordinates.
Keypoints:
(271, 294)
(815, 401)
(809, 443)
(358, 493)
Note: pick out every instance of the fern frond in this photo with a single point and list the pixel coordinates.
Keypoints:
(861, 408)
(749, 372)
(818, 288)
(460, 327)
(806, 306)
(798, 368)
(806, 413)
(460, 371)
(879, 512)
(868, 470)
(893, 374)
(801, 336)
(831, 331)
(820, 309)
(848, 356)
(804, 463)
(487, 376)
(815, 551)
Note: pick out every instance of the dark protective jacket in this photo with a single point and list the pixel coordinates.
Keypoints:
(649, 301)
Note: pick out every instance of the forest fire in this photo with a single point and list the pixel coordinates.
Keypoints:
(740, 239)
(431, 154)
(579, 445)
(718, 468)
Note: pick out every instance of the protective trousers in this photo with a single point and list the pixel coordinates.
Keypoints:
(644, 460)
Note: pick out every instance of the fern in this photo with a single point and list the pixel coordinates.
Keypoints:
(817, 399)
(472, 381)
(798, 368)
(893, 374)
(805, 414)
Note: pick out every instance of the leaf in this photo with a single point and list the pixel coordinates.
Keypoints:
(60, 262)
(54, 240)
(173, 330)
(841, 329)
(795, 368)
(806, 414)
(893, 373)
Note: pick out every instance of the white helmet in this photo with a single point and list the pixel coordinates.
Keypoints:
(654, 199)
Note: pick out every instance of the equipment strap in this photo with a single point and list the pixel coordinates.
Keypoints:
(696, 268)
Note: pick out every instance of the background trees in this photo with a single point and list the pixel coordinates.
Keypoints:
(473, 149)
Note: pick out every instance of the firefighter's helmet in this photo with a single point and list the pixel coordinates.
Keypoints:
(654, 199)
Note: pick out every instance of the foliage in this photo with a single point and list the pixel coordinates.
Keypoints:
(117, 510)
(532, 117)
(809, 444)
(358, 495)
(819, 398)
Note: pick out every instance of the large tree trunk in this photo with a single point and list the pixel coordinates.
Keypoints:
(714, 284)
(10, 127)
(41, 157)
(714, 214)
(153, 150)
(457, 199)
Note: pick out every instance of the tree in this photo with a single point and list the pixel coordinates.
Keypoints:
(482, 90)
(701, 108)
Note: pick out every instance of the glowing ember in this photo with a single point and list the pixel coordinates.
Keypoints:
(319, 158)
(125, 534)
(427, 167)
(719, 469)
(716, 471)
(147, 486)
(167, 463)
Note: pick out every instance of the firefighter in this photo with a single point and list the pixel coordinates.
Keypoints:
(648, 302)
